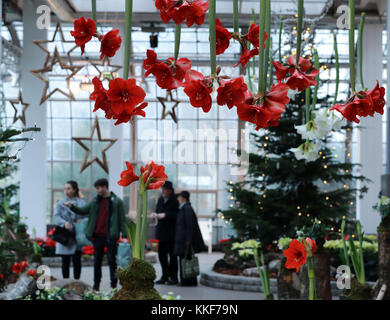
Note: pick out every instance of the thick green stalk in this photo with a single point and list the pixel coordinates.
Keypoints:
(299, 29)
(271, 66)
(144, 222)
(312, 281)
(307, 104)
(360, 234)
(317, 78)
(268, 41)
(336, 56)
(253, 20)
(94, 10)
(280, 38)
(137, 246)
(261, 272)
(361, 50)
(250, 78)
(261, 42)
(177, 40)
(345, 249)
(128, 26)
(355, 260)
(212, 30)
(352, 45)
(235, 16)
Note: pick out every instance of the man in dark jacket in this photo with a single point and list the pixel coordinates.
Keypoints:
(166, 212)
(106, 219)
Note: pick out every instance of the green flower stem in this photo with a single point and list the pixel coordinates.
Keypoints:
(250, 79)
(128, 26)
(268, 41)
(299, 29)
(317, 78)
(336, 56)
(212, 30)
(307, 104)
(137, 247)
(261, 41)
(177, 40)
(253, 20)
(280, 38)
(261, 272)
(312, 281)
(271, 66)
(235, 16)
(361, 27)
(94, 10)
(144, 222)
(360, 234)
(352, 45)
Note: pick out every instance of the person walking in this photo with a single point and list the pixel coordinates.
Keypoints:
(166, 212)
(65, 218)
(188, 237)
(106, 220)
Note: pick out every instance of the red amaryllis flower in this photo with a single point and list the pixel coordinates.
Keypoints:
(169, 73)
(17, 268)
(297, 76)
(310, 245)
(24, 264)
(124, 95)
(266, 110)
(99, 95)
(50, 243)
(198, 89)
(88, 250)
(39, 241)
(296, 255)
(362, 104)
(110, 43)
(124, 116)
(153, 175)
(246, 54)
(128, 176)
(32, 273)
(223, 37)
(1, 277)
(253, 35)
(83, 32)
(191, 11)
(232, 92)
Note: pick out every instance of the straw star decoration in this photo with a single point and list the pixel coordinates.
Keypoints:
(172, 111)
(101, 162)
(107, 71)
(55, 59)
(19, 107)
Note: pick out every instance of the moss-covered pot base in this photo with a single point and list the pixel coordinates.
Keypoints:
(358, 291)
(137, 281)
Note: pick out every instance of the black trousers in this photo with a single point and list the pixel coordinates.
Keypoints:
(98, 245)
(167, 259)
(76, 259)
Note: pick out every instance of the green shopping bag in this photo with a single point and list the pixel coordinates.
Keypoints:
(124, 254)
(190, 267)
(81, 238)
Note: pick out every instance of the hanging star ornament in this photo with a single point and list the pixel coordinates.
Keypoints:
(39, 73)
(19, 107)
(42, 44)
(107, 71)
(165, 110)
(103, 161)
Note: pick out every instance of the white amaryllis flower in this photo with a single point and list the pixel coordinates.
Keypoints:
(307, 150)
(307, 130)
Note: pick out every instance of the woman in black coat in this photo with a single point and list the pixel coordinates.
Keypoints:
(188, 236)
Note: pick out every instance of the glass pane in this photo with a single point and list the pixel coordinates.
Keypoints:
(61, 150)
(207, 177)
(60, 109)
(61, 128)
(82, 178)
(206, 204)
(81, 109)
(81, 127)
(187, 177)
(61, 174)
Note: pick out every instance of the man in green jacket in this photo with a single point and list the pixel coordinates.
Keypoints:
(105, 222)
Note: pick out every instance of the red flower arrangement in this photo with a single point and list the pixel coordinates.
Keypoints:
(296, 253)
(17, 268)
(179, 11)
(298, 76)
(169, 73)
(1, 276)
(363, 104)
(32, 273)
(232, 92)
(84, 30)
(88, 250)
(50, 243)
(266, 110)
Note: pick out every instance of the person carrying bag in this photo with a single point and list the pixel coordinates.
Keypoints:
(188, 241)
